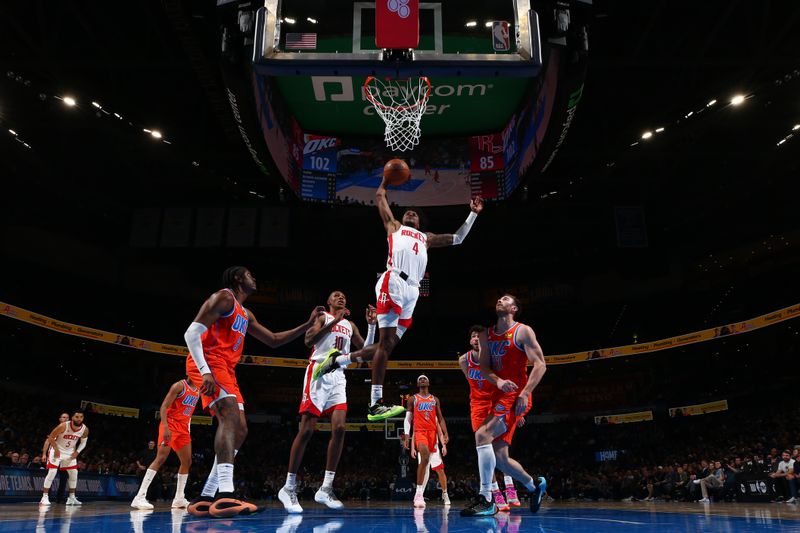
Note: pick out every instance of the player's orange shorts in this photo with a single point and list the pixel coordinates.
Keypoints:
(479, 411)
(503, 406)
(224, 377)
(427, 437)
(180, 436)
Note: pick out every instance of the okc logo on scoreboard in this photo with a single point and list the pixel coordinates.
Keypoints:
(400, 7)
(319, 153)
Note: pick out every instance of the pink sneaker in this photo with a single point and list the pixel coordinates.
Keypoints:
(499, 502)
(419, 502)
(511, 497)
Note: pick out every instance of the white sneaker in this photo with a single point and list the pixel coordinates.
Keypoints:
(419, 501)
(704, 500)
(180, 503)
(140, 502)
(45, 500)
(445, 498)
(72, 500)
(792, 500)
(289, 500)
(327, 497)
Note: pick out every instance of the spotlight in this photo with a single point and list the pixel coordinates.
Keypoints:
(737, 99)
(69, 101)
(796, 127)
(312, 21)
(12, 132)
(647, 134)
(156, 134)
(471, 24)
(488, 24)
(659, 130)
(712, 102)
(289, 20)
(98, 106)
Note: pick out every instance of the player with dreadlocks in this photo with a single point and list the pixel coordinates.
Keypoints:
(215, 340)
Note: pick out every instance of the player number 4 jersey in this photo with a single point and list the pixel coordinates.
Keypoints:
(338, 337)
(408, 253)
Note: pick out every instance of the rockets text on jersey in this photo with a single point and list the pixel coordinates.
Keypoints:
(338, 337)
(408, 252)
(66, 441)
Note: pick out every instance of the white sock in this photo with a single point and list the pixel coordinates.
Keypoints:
(181, 486)
(343, 360)
(508, 482)
(530, 485)
(291, 481)
(328, 482)
(148, 478)
(212, 483)
(377, 394)
(225, 477)
(210, 488)
(486, 466)
(420, 490)
(495, 486)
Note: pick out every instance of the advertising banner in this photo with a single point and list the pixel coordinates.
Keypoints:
(624, 418)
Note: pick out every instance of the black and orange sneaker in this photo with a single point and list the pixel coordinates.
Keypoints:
(226, 505)
(200, 506)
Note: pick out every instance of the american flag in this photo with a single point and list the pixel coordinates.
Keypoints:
(298, 41)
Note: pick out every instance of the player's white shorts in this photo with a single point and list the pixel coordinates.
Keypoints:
(63, 462)
(325, 395)
(396, 299)
(434, 460)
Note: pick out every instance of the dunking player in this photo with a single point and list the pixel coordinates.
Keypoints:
(173, 433)
(64, 455)
(423, 412)
(480, 406)
(505, 351)
(215, 340)
(325, 397)
(397, 291)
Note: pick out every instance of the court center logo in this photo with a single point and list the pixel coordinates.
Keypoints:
(400, 7)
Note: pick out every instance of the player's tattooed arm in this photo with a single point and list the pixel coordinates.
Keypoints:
(440, 240)
(464, 365)
(273, 339)
(384, 210)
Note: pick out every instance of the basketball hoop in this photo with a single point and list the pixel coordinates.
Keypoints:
(401, 104)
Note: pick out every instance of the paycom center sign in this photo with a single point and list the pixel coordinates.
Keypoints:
(457, 106)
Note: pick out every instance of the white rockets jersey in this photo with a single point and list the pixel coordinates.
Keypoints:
(408, 253)
(338, 337)
(68, 441)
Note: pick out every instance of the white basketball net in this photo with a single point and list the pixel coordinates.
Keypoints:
(401, 104)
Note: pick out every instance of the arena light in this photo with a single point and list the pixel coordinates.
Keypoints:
(312, 21)
(69, 101)
(647, 134)
(796, 127)
(156, 134)
(489, 23)
(98, 106)
(471, 24)
(659, 130)
(689, 114)
(737, 99)
(712, 102)
(289, 20)
(12, 132)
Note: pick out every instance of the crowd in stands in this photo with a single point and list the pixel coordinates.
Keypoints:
(685, 459)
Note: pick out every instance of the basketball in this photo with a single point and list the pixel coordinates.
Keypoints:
(396, 172)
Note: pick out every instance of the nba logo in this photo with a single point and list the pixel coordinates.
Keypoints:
(500, 39)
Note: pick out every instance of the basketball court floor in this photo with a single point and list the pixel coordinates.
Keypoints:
(617, 517)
